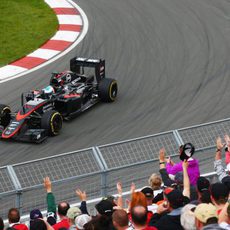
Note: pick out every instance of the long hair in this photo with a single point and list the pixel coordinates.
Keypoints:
(138, 199)
(37, 224)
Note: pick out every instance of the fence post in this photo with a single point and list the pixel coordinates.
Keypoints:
(178, 137)
(104, 184)
(17, 186)
(104, 167)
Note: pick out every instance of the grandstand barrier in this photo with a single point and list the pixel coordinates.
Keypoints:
(96, 170)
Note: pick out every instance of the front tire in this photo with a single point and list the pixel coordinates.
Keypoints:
(52, 122)
(107, 90)
(5, 116)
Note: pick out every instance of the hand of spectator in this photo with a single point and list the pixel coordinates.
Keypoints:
(218, 156)
(81, 194)
(185, 164)
(117, 207)
(132, 188)
(163, 207)
(219, 143)
(162, 155)
(48, 226)
(119, 188)
(47, 184)
(219, 146)
(170, 161)
(227, 141)
(128, 203)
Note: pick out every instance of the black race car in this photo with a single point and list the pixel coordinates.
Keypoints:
(69, 94)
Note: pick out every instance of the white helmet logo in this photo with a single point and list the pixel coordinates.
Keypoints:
(68, 77)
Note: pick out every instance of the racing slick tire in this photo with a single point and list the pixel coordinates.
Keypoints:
(107, 90)
(52, 122)
(5, 116)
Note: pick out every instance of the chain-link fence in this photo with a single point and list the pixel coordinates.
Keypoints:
(96, 170)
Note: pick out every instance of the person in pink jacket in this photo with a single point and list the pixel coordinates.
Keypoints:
(186, 152)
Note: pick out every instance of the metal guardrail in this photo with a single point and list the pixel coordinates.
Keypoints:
(97, 170)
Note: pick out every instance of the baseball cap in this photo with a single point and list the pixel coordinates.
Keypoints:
(204, 211)
(175, 197)
(174, 180)
(81, 220)
(35, 214)
(186, 151)
(170, 183)
(202, 184)
(179, 178)
(147, 191)
(105, 207)
(73, 212)
(110, 198)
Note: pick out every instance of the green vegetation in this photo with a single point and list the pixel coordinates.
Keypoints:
(25, 25)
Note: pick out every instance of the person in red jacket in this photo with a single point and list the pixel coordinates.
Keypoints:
(14, 220)
(139, 218)
(120, 219)
(139, 199)
(62, 211)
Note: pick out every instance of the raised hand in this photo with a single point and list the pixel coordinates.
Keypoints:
(132, 188)
(185, 164)
(162, 155)
(81, 194)
(227, 141)
(219, 143)
(47, 184)
(119, 188)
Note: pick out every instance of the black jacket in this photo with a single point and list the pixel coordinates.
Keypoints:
(166, 222)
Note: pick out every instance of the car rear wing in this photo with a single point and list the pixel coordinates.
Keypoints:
(77, 65)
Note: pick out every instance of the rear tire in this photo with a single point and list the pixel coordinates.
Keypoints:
(107, 90)
(5, 116)
(52, 122)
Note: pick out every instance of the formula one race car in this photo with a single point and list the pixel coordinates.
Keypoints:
(69, 94)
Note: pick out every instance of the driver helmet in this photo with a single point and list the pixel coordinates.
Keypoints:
(48, 91)
(60, 79)
(67, 76)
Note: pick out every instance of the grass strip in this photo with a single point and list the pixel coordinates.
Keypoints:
(25, 25)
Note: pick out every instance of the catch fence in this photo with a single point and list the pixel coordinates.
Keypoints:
(96, 170)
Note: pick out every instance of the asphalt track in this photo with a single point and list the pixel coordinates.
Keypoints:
(171, 59)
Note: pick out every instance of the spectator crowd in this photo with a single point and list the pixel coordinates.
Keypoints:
(177, 198)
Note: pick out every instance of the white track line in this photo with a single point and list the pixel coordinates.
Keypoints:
(70, 19)
(68, 36)
(59, 3)
(45, 53)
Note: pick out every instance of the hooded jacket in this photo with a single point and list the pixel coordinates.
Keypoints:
(193, 170)
(167, 221)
